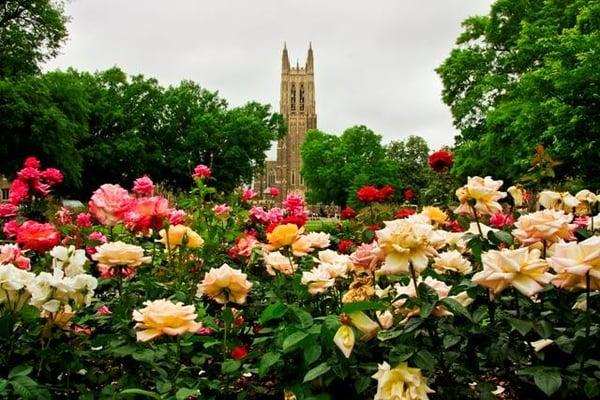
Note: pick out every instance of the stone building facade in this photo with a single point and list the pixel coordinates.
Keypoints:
(297, 105)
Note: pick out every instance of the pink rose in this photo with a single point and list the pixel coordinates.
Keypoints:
(52, 176)
(63, 216)
(143, 186)
(176, 217)
(11, 254)
(19, 191)
(365, 257)
(29, 174)
(84, 220)
(109, 203)
(10, 228)
(222, 210)
(8, 210)
(147, 213)
(32, 162)
(273, 191)
(500, 220)
(248, 194)
(294, 204)
(103, 310)
(201, 171)
(98, 237)
(39, 237)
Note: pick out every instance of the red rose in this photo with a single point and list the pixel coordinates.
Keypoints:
(10, 228)
(367, 194)
(84, 220)
(19, 191)
(453, 226)
(404, 212)
(32, 162)
(8, 210)
(347, 213)
(409, 194)
(299, 220)
(35, 236)
(201, 171)
(52, 176)
(385, 192)
(239, 352)
(500, 220)
(440, 160)
(345, 246)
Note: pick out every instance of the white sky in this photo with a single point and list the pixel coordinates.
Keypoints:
(374, 60)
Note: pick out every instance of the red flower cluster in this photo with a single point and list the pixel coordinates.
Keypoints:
(33, 181)
(409, 194)
(369, 194)
(440, 160)
(347, 213)
(36, 236)
(345, 246)
(404, 212)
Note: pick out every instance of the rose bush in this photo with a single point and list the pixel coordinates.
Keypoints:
(214, 296)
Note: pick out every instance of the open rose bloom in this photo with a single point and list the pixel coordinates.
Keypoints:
(225, 285)
(163, 317)
(484, 192)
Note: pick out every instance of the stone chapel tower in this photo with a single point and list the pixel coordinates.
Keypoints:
(297, 105)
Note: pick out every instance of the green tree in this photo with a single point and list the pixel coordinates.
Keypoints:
(45, 116)
(528, 73)
(31, 32)
(410, 157)
(331, 164)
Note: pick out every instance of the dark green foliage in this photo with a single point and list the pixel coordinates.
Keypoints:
(527, 73)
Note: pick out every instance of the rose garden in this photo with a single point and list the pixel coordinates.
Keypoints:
(469, 272)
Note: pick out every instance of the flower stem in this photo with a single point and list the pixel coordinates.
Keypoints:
(587, 328)
(491, 308)
(477, 220)
(413, 275)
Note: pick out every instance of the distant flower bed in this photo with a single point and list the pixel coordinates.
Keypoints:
(214, 297)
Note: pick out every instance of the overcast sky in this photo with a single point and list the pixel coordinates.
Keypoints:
(374, 60)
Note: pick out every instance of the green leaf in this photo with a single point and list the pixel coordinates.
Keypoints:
(304, 317)
(184, 393)
(25, 387)
(388, 334)
(230, 366)
(267, 361)
(293, 340)
(316, 372)
(312, 353)
(523, 327)
(146, 356)
(455, 307)
(426, 309)
(427, 294)
(548, 380)
(29, 313)
(424, 360)
(20, 370)
(273, 311)
(141, 392)
(362, 306)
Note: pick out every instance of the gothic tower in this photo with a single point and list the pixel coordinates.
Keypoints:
(297, 105)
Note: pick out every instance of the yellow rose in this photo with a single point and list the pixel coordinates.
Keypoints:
(572, 261)
(518, 194)
(522, 269)
(163, 317)
(435, 214)
(401, 383)
(283, 235)
(452, 261)
(546, 225)
(404, 243)
(225, 285)
(178, 235)
(120, 254)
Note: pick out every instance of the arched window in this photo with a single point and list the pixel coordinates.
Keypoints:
(293, 178)
(293, 97)
(301, 97)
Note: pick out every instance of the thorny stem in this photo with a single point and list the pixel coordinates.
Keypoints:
(477, 220)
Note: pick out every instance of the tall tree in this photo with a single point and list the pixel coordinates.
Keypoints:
(31, 32)
(527, 73)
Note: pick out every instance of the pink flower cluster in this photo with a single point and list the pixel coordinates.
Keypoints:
(32, 181)
(201, 171)
(11, 254)
(260, 216)
(111, 205)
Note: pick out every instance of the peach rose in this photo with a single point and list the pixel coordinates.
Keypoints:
(485, 193)
(522, 269)
(318, 240)
(163, 317)
(225, 285)
(572, 261)
(546, 225)
(366, 257)
(109, 203)
(115, 254)
(452, 261)
(404, 243)
(178, 235)
(277, 262)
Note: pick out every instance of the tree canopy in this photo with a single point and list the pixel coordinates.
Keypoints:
(108, 127)
(526, 74)
(31, 32)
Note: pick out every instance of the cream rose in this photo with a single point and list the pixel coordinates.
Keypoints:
(225, 285)
(547, 225)
(163, 317)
